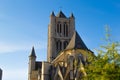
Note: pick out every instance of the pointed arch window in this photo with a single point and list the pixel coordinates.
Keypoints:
(59, 29)
(65, 29)
(58, 46)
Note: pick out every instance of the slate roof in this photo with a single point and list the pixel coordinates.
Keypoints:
(76, 42)
(32, 53)
(61, 15)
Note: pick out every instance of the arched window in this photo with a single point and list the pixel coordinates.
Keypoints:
(59, 27)
(65, 29)
(58, 45)
(65, 44)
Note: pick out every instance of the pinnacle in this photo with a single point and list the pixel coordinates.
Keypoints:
(32, 52)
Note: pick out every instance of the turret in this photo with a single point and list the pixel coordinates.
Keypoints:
(32, 59)
(51, 34)
(52, 18)
(72, 24)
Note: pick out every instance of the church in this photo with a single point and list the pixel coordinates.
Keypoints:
(67, 54)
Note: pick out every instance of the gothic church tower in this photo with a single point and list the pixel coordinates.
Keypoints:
(64, 47)
(60, 31)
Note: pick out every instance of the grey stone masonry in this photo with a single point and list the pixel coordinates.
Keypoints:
(60, 31)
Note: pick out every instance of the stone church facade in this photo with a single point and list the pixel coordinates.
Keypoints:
(66, 52)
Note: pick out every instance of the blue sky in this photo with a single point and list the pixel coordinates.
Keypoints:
(24, 23)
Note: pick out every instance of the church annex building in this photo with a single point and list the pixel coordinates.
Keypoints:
(66, 52)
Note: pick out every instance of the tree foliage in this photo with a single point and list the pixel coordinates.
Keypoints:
(106, 65)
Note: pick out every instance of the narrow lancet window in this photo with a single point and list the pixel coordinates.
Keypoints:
(58, 45)
(59, 28)
(65, 30)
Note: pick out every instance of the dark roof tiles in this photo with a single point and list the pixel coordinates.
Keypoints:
(32, 53)
(76, 42)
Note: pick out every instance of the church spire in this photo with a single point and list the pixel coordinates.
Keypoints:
(32, 53)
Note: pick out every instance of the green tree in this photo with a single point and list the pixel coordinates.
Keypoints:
(106, 65)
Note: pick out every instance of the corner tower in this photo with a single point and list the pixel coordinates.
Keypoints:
(31, 67)
(60, 31)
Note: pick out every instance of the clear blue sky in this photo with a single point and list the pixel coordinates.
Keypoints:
(24, 23)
